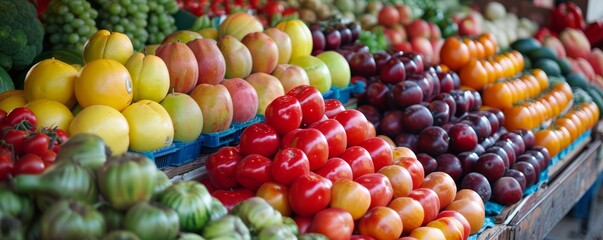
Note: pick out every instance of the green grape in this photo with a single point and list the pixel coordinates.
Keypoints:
(160, 21)
(125, 16)
(69, 23)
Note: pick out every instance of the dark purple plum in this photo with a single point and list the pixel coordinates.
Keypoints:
(462, 138)
(517, 141)
(528, 171)
(451, 165)
(493, 120)
(392, 71)
(390, 124)
(514, 173)
(371, 113)
(408, 140)
(429, 163)
(440, 112)
(539, 157)
(508, 147)
(532, 160)
(545, 153)
(416, 117)
(479, 123)
(381, 59)
(363, 64)
(501, 153)
(376, 95)
(506, 191)
(446, 82)
(478, 183)
(346, 34)
(448, 99)
(528, 137)
(491, 166)
(404, 94)
(333, 38)
(468, 160)
(433, 141)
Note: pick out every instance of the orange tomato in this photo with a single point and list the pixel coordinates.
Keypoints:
(415, 168)
(498, 70)
(480, 51)
(490, 47)
(595, 110)
(400, 179)
(562, 99)
(576, 119)
(472, 211)
(532, 84)
(507, 65)
(474, 75)
(497, 95)
(519, 58)
(565, 88)
(402, 151)
(543, 79)
(568, 123)
(514, 93)
(351, 197)
(517, 117)
(547, 107)
(535, 118)
(454, 53)
(410, 211)
(543, 110)
(564, 137)
(548, 138)
(583, 117)
(521, 89)
(471, 47)
(490, 70)
(276, 195)
(443, 185)
(553, 103)
(514, 62)
(490, 37)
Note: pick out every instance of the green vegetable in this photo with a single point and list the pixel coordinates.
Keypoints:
(227, 227)
(448, 27)
(87, 149)
(121, 235)
(257, 214)
(6, 83)
(217, 209)
(62, 180)
(276, 232)
(189, 236)
(290, 225)
(11, 228)
(114, 219)
(16, 205)
(152, 221)
(525, 45)
(127, 179)
(192, 203)
(71, 219)
(21, 34)
(312, 236)
(162, 182)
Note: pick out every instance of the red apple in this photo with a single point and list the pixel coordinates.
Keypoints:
(575, 42)
(216, 104)
(181, 36)
(212, 65)
(596, 60)
(182, 66)
(379, 187)
(244, 99)
(418, 28)
(236, 56)
(283, 41)
(423, 46)
(405, 13)
(291, 76)
(555, 44)
(469, 26)
(264, 52)
(388, 16)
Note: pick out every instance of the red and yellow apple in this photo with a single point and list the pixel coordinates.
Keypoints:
(267, 87)
(212, 65)
(182, 36)
(244, 99)
(575, 42)
(186, 116)
(240, 24)
(264, 52)
(216, 105)
(236, 56)
(291, 76)
(283, 41)
(182, 65)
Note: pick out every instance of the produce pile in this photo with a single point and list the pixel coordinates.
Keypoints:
(456, 111)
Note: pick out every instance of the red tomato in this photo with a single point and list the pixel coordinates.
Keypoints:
(355, 125)
(29, 164)
(259, 138)
(335, 134)
(379, 186)
(272, 8)
(314, 144)
(415, 168)
(3, 115)
(20, 114)
(276, 195)
(284, 114)
(350, 196)
(6, 166)
(430, 202)
(400, 179)
(362, 237)
(36, 144)
(15, 138)
(381, 223)
(303, 223)
(309, 194)
(312, 103)
(335, 169)
(231, 198)
(207, 183)
(49, 157)
(253, 171)
(329, 219)
(286, 139)
(288, 164)
(221, 167)
(62, 137)
(380, 150)
(333, 107)
(359, 160)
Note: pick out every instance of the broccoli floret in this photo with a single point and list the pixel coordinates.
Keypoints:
(21, 34)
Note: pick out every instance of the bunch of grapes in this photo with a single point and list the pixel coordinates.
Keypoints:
(69, 23)
(161, 20)
(125, 16)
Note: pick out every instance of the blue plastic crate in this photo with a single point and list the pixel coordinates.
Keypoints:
(162, 157)
(187, 152)
(239, 127)
(218, 139)
(328, 94)
(343, 94)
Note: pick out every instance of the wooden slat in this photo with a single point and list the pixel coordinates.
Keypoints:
(499, 231)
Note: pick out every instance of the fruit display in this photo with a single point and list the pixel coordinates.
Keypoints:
(381, 119)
